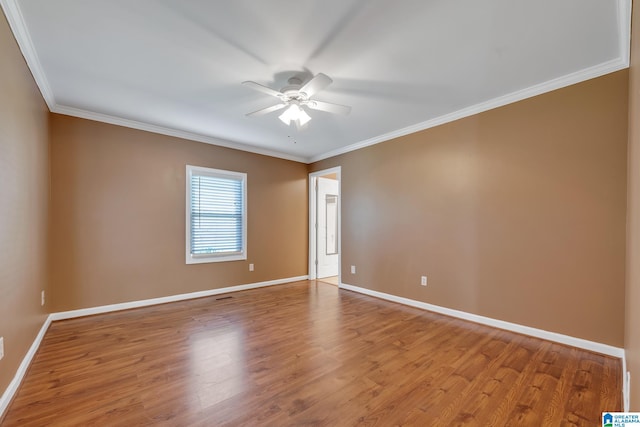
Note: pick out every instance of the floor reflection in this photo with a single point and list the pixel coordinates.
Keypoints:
(218, 366)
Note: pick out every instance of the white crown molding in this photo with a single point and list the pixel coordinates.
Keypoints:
(539, 89)
(133, 124)
(21, 33)
(548, 86)
(495, 323)
(624, 8)
(19, 27)
(14, 15)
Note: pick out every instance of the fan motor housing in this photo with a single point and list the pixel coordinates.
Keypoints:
(293, 92)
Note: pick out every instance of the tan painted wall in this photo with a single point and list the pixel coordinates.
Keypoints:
(24, 199)
(118, 215)
(516, 214)
(632, 320)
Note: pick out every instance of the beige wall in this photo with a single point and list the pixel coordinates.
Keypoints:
(118, 215)
(632, 320)
(24, 199)
(516, 214)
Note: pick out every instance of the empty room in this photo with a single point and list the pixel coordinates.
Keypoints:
(319, 213)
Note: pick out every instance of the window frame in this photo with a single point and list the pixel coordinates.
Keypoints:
(216, 173)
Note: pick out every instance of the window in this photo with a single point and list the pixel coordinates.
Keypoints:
(216, 215)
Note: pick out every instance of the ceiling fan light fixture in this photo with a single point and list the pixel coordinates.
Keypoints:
(294, 114)
(296, 96)
(303, 118)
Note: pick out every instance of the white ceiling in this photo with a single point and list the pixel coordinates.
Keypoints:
(176, 66)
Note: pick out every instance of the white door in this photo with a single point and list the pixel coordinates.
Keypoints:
(327, 230)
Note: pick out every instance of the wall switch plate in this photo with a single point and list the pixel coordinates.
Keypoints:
(353, 269)
(250, 267)
(423, 281)
(1, 347)
(42, 298)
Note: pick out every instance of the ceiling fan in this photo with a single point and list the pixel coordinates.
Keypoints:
(295, 96)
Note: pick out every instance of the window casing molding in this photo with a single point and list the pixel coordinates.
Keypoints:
(198, 258)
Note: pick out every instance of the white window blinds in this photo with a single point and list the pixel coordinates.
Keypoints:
(216, 209)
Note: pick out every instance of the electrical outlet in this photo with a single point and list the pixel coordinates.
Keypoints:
(353, 269)
(42, 298)
(1, 347)
(423, 281)
(250, 267)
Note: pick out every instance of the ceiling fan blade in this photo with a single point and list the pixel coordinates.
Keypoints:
(263, 89)
(329, 107)
(267, 110)
(316, 84)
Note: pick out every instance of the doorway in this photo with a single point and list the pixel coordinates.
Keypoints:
(324, 225)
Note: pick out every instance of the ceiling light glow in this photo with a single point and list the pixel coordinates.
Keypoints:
(295, 114)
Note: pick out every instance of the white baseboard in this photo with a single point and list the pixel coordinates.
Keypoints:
(626, 384)
(501, 324)
(8, 394)
(11, 390)
(172, 298)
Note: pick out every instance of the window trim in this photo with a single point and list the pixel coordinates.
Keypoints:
(219, 173)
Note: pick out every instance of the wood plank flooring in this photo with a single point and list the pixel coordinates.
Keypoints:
(305, 354)
(333, 280)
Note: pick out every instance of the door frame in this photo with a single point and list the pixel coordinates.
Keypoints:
(313, 220)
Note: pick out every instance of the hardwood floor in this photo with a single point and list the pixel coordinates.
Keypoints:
(305, 354)
(333, 280)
